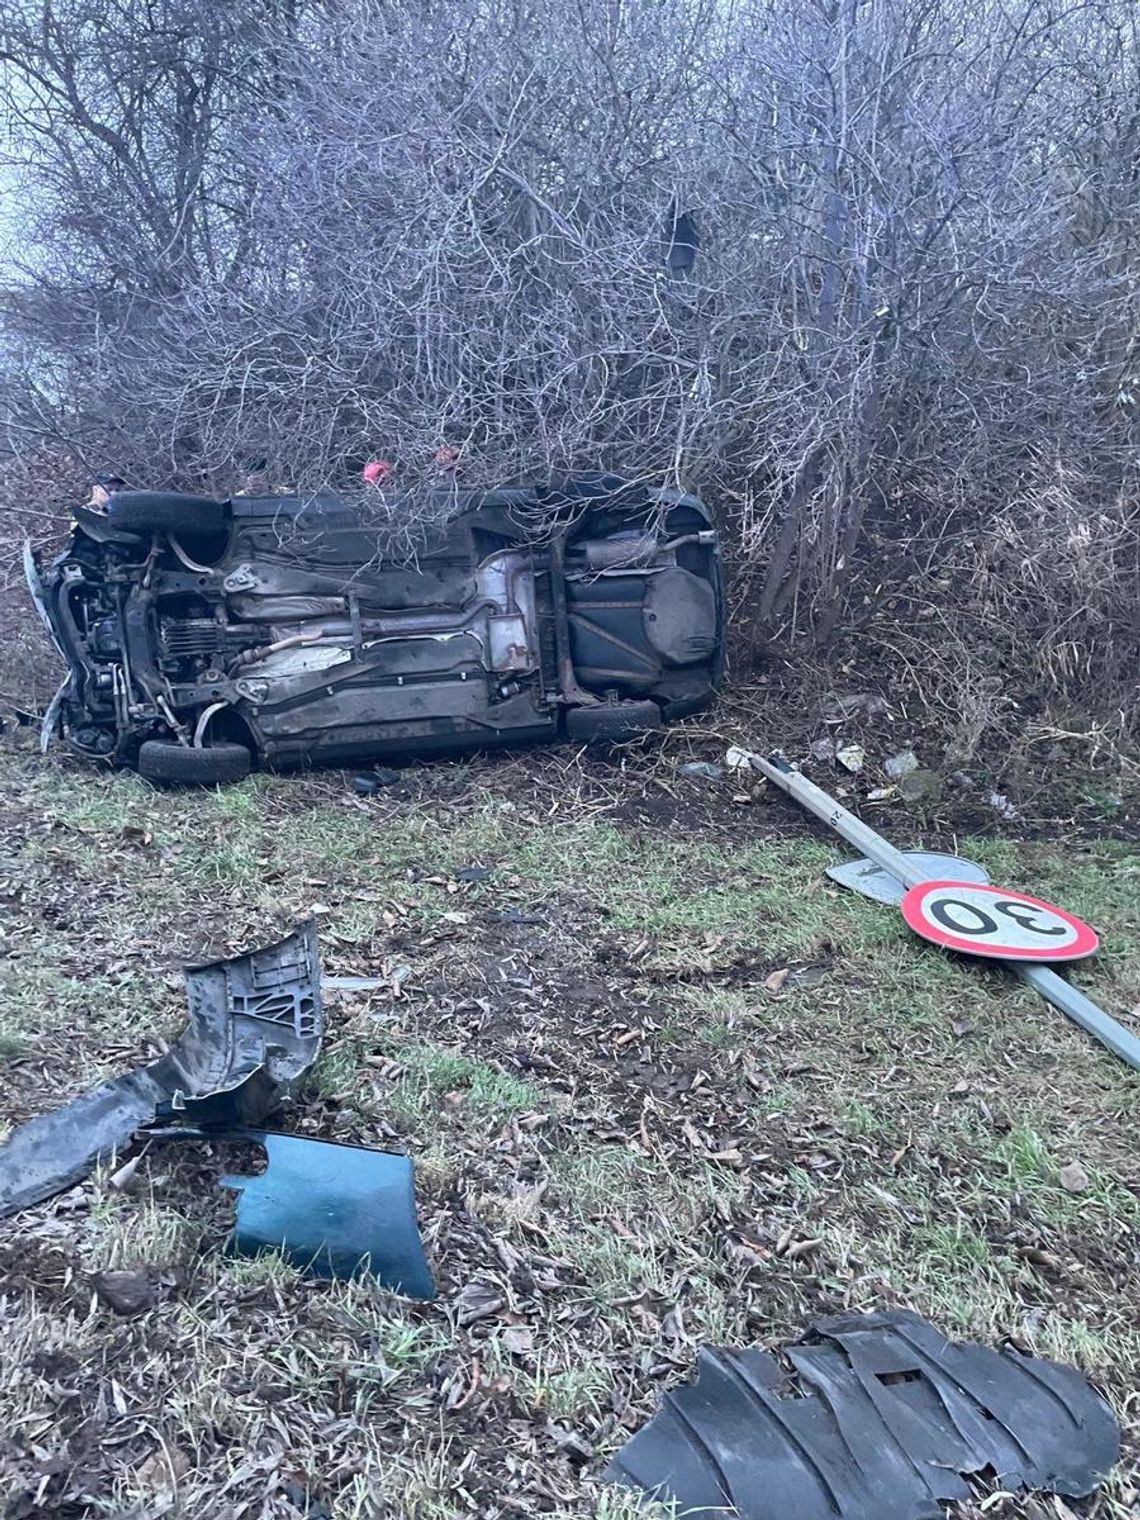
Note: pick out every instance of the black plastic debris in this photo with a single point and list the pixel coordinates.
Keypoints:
(885, 1420)
(255, 1028)
(332, 1210)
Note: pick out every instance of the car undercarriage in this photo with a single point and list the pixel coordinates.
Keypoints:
(203, 638)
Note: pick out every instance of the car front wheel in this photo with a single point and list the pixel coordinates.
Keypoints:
(172, 764)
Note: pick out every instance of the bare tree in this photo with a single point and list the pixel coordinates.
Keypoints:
(859, 271)
(124, 124)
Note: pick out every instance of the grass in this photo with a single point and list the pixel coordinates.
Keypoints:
(430, 1075)
(630, 1137)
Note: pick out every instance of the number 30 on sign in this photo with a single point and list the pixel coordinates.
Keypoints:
(983, 920)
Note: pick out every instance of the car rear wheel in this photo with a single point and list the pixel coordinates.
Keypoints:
(612, 721)
(179, 765)
(166, 512)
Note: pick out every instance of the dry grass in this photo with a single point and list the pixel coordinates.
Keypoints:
(626, 1145)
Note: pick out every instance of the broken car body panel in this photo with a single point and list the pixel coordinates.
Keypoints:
(288, 626)
(333, 1211)
(888, 1421)
(254, 1029)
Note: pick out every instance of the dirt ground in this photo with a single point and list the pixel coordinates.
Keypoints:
(633, 1133)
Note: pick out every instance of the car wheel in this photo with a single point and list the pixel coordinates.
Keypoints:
(166, 512)
(612, 721)
(177, 764)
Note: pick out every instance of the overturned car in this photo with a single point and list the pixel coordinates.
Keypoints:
(205, 637)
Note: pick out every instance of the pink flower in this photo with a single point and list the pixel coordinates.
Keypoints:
(377, 471)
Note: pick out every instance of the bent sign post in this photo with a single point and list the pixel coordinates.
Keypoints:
(979, 919)
(1081, 1009)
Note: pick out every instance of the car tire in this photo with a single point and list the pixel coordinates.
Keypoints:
(611, 721)
(172, 764)
(166, 512)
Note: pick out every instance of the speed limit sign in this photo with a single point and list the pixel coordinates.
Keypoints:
(985, 920)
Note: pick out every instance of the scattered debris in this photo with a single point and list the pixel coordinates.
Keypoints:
(122, 1180)
(775, 982)
(738, 759)
(127, 1293)
(897, 766)
(474, 874)
(1002, 806)
(883, 1420)
(822, 749)
(332, 1210)
(702, 770)
(255, 1028)
(840, 707)
(851, 757)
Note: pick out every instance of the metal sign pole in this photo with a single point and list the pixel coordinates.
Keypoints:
(836, 816)
(1053, 988)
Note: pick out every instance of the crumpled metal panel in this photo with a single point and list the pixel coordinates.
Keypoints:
(332, 1210)
(255, 1028)
(888, 1422)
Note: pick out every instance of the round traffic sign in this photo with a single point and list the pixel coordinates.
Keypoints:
(985, 920)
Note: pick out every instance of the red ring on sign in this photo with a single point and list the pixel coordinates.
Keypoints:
(1086, 943)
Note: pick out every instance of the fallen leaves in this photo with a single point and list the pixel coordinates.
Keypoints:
(479, 1300)
(518, 1340)
(163, 1469)
(794, 1250)
(1073, 1178)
